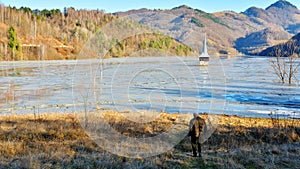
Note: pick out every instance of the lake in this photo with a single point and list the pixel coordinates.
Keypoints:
(244, 86)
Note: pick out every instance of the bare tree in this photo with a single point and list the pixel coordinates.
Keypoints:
(293, 68)
(279, 66)
(286, 68)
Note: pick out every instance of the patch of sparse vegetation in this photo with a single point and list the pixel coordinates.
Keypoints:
(197, 22)
(153, 41)
(211, 17)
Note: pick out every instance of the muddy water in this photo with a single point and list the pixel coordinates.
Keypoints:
(243, 86)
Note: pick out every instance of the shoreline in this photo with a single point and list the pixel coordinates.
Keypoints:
(268, 116)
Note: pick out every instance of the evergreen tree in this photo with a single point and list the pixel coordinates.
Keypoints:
(14, 44)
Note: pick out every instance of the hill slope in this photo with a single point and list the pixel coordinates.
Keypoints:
(282, 21)
(284, 49)
(227, 31)
(189, 25)
(256, 41)
(47, 35)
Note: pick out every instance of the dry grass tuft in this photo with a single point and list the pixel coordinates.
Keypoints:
(140, 125)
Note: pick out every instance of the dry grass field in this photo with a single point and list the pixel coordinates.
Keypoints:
(59, 141)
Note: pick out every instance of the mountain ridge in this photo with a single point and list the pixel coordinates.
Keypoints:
(281, 16)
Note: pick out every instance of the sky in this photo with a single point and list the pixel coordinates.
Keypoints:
(124, 5)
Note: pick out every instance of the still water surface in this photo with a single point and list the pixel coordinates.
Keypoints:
(245, 86)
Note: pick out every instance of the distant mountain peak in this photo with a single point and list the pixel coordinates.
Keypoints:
(282, 4)
(254, 11)
(296, 37)
(182, 7)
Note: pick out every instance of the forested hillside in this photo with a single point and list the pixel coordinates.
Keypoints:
(27, 34)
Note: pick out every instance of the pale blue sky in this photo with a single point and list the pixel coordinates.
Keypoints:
(124, 5)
